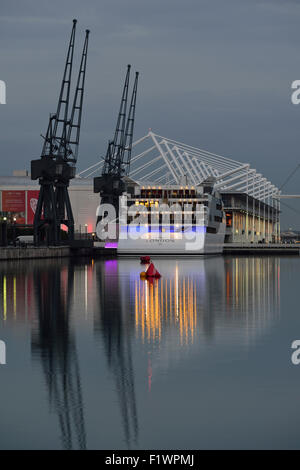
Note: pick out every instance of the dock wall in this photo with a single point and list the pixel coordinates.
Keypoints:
(32, 252)
(16, 253)
(13, 253)
(261, 249)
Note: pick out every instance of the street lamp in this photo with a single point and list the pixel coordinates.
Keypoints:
(86, 226)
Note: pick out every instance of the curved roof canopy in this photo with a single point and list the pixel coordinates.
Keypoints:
(159, 160)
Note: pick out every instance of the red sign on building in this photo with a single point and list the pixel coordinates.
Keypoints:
(14, 202)
(32, 199)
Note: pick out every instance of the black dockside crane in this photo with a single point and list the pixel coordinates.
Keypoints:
(56, 166)
(111, 184)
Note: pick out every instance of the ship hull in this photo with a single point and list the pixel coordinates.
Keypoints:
(199, 242)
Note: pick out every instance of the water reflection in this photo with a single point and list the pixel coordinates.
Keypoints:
(53, 343)
(252, 292)
(16, 287)
(199, 298)
(115, 326)
(138, 324)
(163, 304)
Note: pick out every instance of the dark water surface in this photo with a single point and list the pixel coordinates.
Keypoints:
(99, 359)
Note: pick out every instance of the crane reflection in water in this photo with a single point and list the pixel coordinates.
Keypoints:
(53, 343)
(116, 328)
(196, 301)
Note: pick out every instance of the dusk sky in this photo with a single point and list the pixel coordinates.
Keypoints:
(214, 74)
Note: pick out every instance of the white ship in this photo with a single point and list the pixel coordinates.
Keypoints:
(171, 220)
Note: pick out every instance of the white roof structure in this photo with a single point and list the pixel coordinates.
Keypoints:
(158, 160)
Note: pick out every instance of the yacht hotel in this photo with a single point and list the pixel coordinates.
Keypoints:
(251, 202)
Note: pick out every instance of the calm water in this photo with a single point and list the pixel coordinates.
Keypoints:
(98, 359)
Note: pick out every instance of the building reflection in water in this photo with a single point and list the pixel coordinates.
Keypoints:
(252, 292)
(166, 303)
(16, 291)
(213, 299)
(53, 343)
(198, 298)
(115, 326)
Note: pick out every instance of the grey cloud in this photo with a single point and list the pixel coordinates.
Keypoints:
(214, 74)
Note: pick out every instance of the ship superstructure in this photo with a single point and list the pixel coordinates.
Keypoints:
(171, 219)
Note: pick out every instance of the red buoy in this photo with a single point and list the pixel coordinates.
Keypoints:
(152, 271)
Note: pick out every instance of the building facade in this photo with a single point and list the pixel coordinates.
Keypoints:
(19, 195)
(250, 220)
